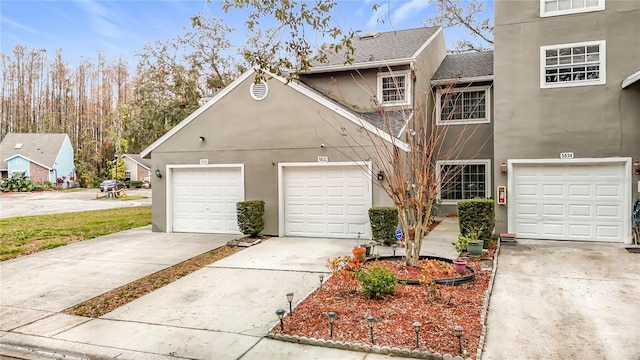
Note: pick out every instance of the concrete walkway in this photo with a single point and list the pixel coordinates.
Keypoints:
(219, 312)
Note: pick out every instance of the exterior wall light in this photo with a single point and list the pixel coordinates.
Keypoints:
(636, 167)
(380, 175)
(503, 168)
(158, 173)
(201, 138)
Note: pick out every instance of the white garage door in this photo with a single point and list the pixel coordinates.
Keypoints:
(569, 202)
(326, 201)
(204, 199)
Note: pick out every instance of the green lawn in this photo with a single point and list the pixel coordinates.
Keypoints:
(28, 234)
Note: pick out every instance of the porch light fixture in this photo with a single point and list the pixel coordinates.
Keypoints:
(290, 299)
(158, 173)
(371, 321)
(332, 317)
(503, 168)
(380, 175)
(201, 138)
(458, 331)
(280, 313)
(636, 167)
(416, 328)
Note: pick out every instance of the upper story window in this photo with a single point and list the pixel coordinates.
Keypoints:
(564, 7)
(468, 105)
(394, 89)
(578, 64)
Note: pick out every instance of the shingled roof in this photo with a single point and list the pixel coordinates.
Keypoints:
(40, 148)
(465, 66)
(376, 47)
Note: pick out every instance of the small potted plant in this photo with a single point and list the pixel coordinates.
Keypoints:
(474, 245)
(359, 251)
(459, 265)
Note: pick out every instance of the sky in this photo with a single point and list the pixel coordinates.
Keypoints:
(121, 28)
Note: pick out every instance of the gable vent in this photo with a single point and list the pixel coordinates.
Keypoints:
(259, 90)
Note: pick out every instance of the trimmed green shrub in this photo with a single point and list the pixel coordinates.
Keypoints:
(135, 184)
(250, 217)
(378, 281)
(477, 215)
(384, 221)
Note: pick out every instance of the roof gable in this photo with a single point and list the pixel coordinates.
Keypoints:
(39, 148)
(138, 160)
(459, 67)
(301, 88)
(380, 49)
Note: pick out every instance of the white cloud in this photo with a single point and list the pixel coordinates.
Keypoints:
(408, 9)
(102, 19)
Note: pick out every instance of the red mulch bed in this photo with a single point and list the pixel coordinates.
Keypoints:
(395, 314)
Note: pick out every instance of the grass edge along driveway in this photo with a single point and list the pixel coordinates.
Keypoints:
(26, 235)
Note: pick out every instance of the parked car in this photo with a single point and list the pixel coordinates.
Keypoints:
(110, 185)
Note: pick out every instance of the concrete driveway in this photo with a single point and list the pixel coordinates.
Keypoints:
(565, 300)
(51, 202)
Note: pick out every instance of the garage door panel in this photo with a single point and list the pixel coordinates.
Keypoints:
(580, 230)
(552, 190)
(608, 190)
(331, 201)
(579, 190)
(204, 199)
(568, 201)
(552, 210)
(524, 190)
(579, 210)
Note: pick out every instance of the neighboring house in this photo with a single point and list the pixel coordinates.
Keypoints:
(41, 157)
(302, 147)
(136, 168)
(567, 117)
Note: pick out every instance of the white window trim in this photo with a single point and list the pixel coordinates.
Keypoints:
(487, 96)
(488, 172)
(602, 80)
(408, 93)
(544, 13)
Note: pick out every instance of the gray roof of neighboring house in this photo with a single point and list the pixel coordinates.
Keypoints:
(137, 158)
(465, 66)
(383, 46)
(40, 148)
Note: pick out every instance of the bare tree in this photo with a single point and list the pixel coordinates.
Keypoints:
(413, 180)
(471, 16)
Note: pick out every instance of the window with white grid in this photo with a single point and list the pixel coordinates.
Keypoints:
(463, 106)
(576, 64)
(459, 180)
(394, 89)
(565, 7)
